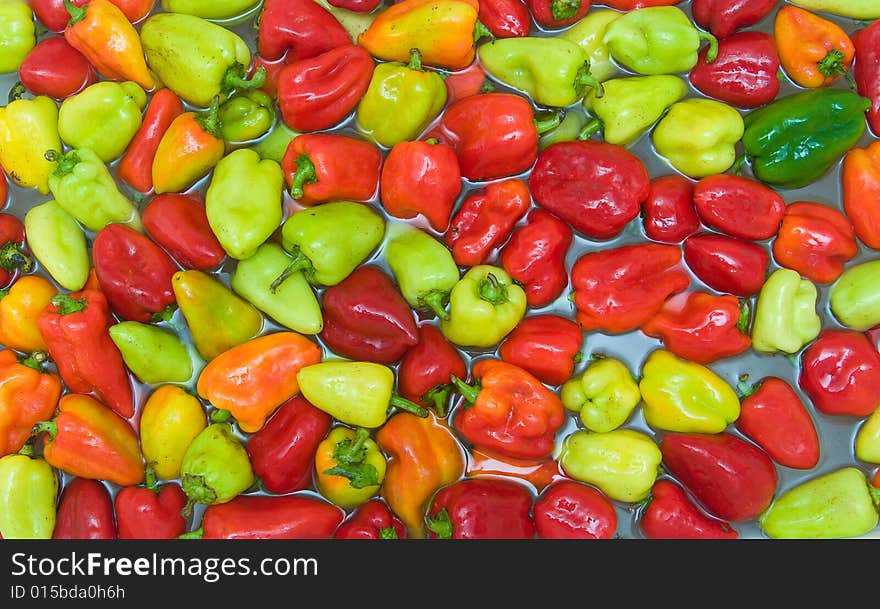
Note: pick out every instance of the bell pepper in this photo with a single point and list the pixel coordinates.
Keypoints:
(698, 136)
(85, 511)
(833, 505)
(443, 30)
(509, 411)
(589, 33)
(89, 440)
(298, 29)
(17, 36)
(426, 369)
(246, 117)
(360, 394)
(860, 183)
(557, 14)
(724, 17)
(154, 355)
(318, 92)
(854, 296)
(170, 421)
(671, 514)
(619, 289)
(215, 468)
(794, 140)
(331, 240)
(28, 489)
(623, 463)
(189, 149)
(785, 316)
(28, 128)
(505, 18)
(13, 257)
(179, 223)
(56, 69)
(568, 130)
(547, 346)
(773, 417)
(535, 257)
(481, 508)
(668, 212)
(20, 307)
(150, 513)
(371, 520)
(596, 187)
(136, 166)
(349, 467)
(321, 167)
(727, 264)
(423, 456)
(217, 318)
(867, 441)
(28, 395)
(745, 72)
(867, 49)
(572, 510)
(292, 303)
(604, 395)
(282, 452)
(484, 307)
(58, 242)
(739, 206)
(813, 51)
(220, 11)
(733, 479)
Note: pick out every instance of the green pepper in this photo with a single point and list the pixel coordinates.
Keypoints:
(274, 145)
(292, 302)
(17, 34)
(785, 315)
(794, 140)
(28, 128)
(28, 491)
(211, 9)
(484, 307)
(589, 34)
(552, 71)
(867, 444)
(247, 116)
(330, 240)
(835, 505)
(57, 240)
(568, 130)
(604, 395)
(244, 201)
(154, 355)
(423, 267)
(401, 101)
(104, 118)
(855, 296)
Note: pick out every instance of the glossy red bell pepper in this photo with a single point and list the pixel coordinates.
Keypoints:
(271, 517)
(136, 166)
(866, 70)
(481, 508)
(85, 511)
(743, 74)
(56, 69)
(670, 514)
(669, 214)
(150, 513)
(467, 82)
(540, 473)
(372, 520)
(739, 206)
(485, 220)
(357, 6)
(572, 510)
(535, 257)
(54, 15)
(426, 369)
(298, 29)
(727, 264)
(548, 346)
(506, 18)
(724, 17)
(14, 258)
(179, 223)
(557, 14)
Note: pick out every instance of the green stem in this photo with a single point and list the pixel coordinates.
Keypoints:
(712, 53)
(407, 405)
(745, 316)
(468, 392)
(12, 258)
(16, 92)
(35, 360)
(197, 534)
(415, 60)
(235, 78)
(434, 301)
(589, 129)
(49, 427)
(27, 450)
(744, 387)
(220, 415)
(440, 525)
(584, 79)
(543, 125)
(875, 494)
(487, 86)
(481, 31)
(359, 475)
(832, 66)
(432, 141)
(304, 174)
(439, 397)
(66, 305)
(76, 13)
(150, 480)
(492, 291)
(165, 314)
(564, 9)
(209, 120)
(66, 162)
(300, 263)
(388, 533)
(349, 452)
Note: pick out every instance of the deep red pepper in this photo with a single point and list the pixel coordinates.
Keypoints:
(840, 373)
(669, 214)
(724, 17)
(548, 346)
(535, 257)
(56, 69)
(739, 206)
(298, 29)
(144, 513)
(367, 319)
(596, 187)
(272, 517)
(464, 83)
(179, 223)
(727, 264)
(14, 258)
(619, 289)
(485, 220)
(744, 73)
(733, 479)
(85, 511)
(866, 70)
(557, 14)
(136, 166)
(357, 6)
(481, 508)
(425, 370)
(316, 93)
(670, 514)
(506, 18)
(372, 520)
(573, 510)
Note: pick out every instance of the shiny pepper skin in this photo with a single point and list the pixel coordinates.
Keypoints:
(545, 345)
(727, 264)
(669, 214)
(372, 520)
(739, 206)
(671, 514)
(85, 511)
(482, 508)
(840, 373)
(572, 510)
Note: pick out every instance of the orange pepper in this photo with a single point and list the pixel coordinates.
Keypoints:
(27, 396)
(540, 473)
(443, 30)
(254, 378)
(92, 282)
(860, 177)
(188, 150)
(813, 51)
(20, 308)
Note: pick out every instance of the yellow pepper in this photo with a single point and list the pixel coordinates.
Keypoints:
(349, 467)
(170, 421)
(20, 307)
(605, 395)
(28, 129)
(867, 446)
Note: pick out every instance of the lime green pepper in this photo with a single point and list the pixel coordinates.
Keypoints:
(605, 394)
(423, 267)
(568, 130)
(247, 116)
(274, 145)
(29, 128)
(855, 296)
(552, 71)
(484, 306)
(57, 240)
(785, 315)
(400, 101)
(17, 34)
(104, 118)
(292, 302)
(589, 34)
(28, 491)
(211, 9)
(349, 467)
(244, 201)
(154, 355)
(215, 467)
(868, 439)
(835, 505)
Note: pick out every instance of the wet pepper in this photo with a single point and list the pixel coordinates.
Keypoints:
(298, 29)
(481, 509)
(28, 128)
(546, 346)
(28, 492)
(604, 395)
(739, 206)
(372, 520)
(18, 37)
(57, 240)
(321, 167)
(425, 372)
(28, 395)
(727, 264)
(151, 512)
(170, 420)
(349, 467)
(136, 166)
(179, 223)
(860, 180)
(56, 69)
(557, 14)
(671, 514)
(506, 18)
(85, 511)
(865, 72)
(285, 517)
(785, 316)
(13, 257)
(724, 17)
(854, 297)
(669, 214)
(20, 309)
(153, 354)
(572, 510)
(535, 256)
(814, 51)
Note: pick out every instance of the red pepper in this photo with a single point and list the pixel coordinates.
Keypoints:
(815, 240)
(773, 417)
(866, 70)
(136, 166)
(548, 346)
(701, 327)
(75, 328)
(535, 257)
(573, 510)
(619, 289)
(318, 92)
(367, 319)
(56, 69)
(298, 29)
(282, 453)
(54, 15)
(179, 223)
(321, 167)
(840, 373)
(733, 479)
(85, 511)
(669, 214)
(481, 508)
(372, 520)
(134, 273)
(739, 206)
(510, 411)
(724, 17)
(357, 6)
(670, 514)
(743, 74)
(596, 187)
(14, 259)
(540, 473)
(465, 83)
(485, 220)
(557, 14)
(629, 5)
(727, 264)
(426, 369)
(420, 178)
(506, 18)
(272, 517)
(144, 513)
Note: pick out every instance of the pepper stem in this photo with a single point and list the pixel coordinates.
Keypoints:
(712, 53)
(76, 13)
(468, 392)
(438, 397)
(235, 78)
(432, 141)
(220, 415)
(12, 258)
(66, 305)
(197, 534)
(407, 405)
(66, 162)
(589, 129)
(875, 494)
(304, 174)
(388, 533)
(434, 301)
(440, 524)
(16, 92)
(415, 59)
(49, 427)
(300, 263)
(35, 360)
(481, 31)
(150, 480)
(165, 314)
(744, 387)
(543, 125)
(209, 120)
(349, 452)
(27, 450)
(197, 491)
(564, 9)
(745, 316)
(832, 66)
(584, 79)
(492, 291)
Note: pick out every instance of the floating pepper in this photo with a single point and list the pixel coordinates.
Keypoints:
(136, 166)
(215, 467)
(860, 183)
(589, 34)
(18, 37)
(867, 49)
(671, 514)
(547, 346)
(85, 511)
(154, 355)
(572, 510)
(151, 512)
(505, 18)
(349, 467)
(727, 264)
(56, 69)
(425, 372)
(170, 421)
(221, 11)
(481, 508)
(669, 215)
(20, 309)
(28, 395)
(372, 520)
(739, 206)
(28, 128)
(724, 17)
(179, 223)
(246, 117)
(604, 395)
(854, 296)
(785, 315)
(298, 29)
(57, 240)
(814, 51)
(28, 490)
